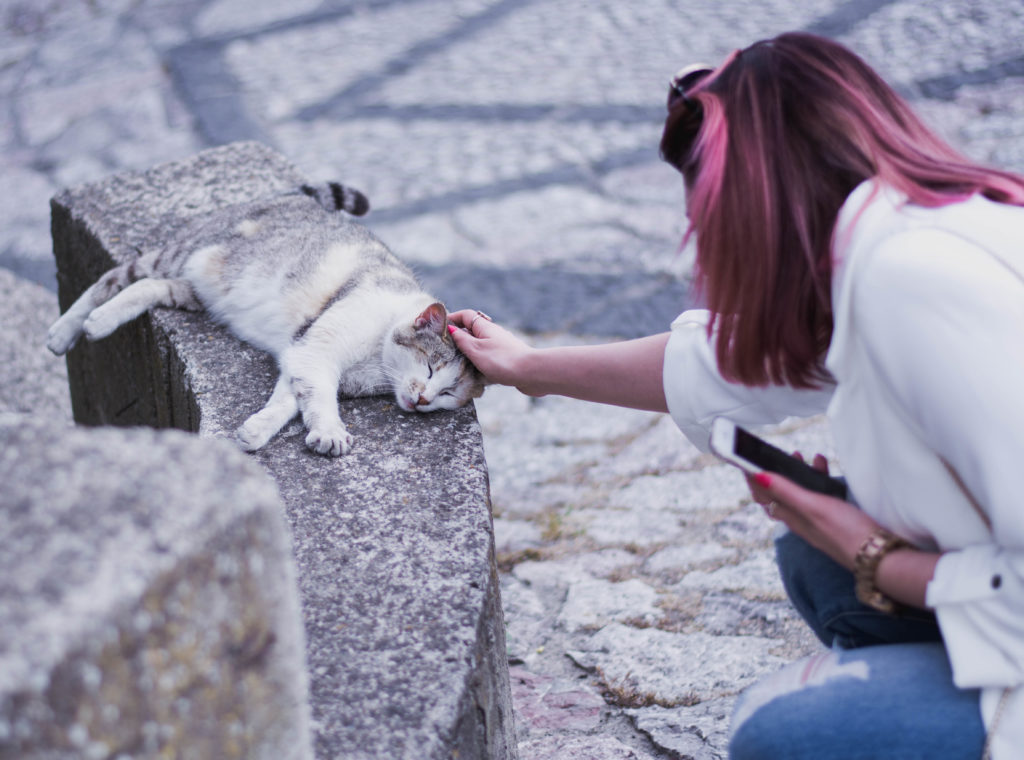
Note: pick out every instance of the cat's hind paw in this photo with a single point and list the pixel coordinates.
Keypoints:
(332, 442)
(252, 435)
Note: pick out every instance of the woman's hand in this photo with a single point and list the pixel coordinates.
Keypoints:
(839, 529)
(624, 373)
(497, 353)
(835, 526)
(832, 525)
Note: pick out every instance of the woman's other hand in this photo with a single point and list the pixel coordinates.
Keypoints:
(834, 526)
(839, 529)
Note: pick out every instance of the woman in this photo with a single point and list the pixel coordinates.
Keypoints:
(852, 263)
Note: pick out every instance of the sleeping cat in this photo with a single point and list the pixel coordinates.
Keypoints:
(319, 292)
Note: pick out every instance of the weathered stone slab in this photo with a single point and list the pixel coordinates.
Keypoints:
(148, 600)
(393, 542)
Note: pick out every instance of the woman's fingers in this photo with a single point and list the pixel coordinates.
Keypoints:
(470, 320)
(494, 350)
(461, 318)
(761, 496)
(819, 463)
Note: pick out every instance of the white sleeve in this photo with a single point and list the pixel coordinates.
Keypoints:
(943, 323)
(696, 392)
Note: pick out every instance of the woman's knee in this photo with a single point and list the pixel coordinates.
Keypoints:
(763, 723)
(886, 701)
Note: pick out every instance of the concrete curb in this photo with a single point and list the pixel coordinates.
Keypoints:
(393, 542)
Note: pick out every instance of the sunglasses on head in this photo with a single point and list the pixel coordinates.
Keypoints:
(685, 80)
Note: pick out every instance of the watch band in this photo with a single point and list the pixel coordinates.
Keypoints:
(865, 566)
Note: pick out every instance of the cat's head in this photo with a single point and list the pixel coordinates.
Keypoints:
(427, 371)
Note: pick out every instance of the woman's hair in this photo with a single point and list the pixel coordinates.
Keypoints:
(770, 145)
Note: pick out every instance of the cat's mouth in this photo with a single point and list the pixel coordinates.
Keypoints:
(410, 404)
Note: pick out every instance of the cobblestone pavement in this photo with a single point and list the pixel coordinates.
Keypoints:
(509, 150)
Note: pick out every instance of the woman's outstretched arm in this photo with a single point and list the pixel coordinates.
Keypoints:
(627, 373)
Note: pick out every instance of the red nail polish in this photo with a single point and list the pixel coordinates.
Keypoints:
(452, 329)
(763, 479)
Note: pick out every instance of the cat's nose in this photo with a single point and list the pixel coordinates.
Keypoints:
(422, 400)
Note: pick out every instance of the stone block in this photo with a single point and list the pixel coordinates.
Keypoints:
(393, 542)
(148, 600)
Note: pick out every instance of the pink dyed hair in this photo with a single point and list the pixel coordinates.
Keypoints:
(770, 144)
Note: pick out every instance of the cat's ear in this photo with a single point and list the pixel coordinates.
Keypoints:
(433, 318)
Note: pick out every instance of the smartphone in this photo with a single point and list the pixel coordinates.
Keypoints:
(752, 454)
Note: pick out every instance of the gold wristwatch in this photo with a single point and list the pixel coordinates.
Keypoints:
(865, 565)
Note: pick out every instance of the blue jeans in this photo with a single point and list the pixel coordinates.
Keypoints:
(883, 689)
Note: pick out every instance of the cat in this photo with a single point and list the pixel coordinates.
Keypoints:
(317, 290)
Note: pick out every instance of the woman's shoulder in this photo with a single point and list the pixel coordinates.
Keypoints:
(914, 269)
(900, 246)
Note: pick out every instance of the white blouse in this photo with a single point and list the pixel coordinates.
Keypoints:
(927, 354)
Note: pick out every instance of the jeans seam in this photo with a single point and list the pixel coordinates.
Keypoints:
(855, 637)
(877, 615)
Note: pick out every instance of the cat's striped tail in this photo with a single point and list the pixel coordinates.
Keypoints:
(335, 196)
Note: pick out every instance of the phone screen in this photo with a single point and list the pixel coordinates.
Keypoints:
(773, 459)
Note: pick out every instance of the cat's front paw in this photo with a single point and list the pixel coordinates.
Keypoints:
(62, 336)
(333, 441)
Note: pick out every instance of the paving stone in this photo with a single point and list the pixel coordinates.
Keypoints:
(634, 526)
(717, 486)
(544, 703)
(758, 576)
(557, 747)
(909, 41)
(677, 507)
(549, 64)
(273, 64)
(560, 573)
(660, 449)
(224, 16)
(32, 380)
(675, 668)
(47, 111)
(527, 621)
(516, 535)
(733, 614)
(699, 732)
(562, 221)
(681, 557)
(747, 526)
(593, 604)
(25, 248)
